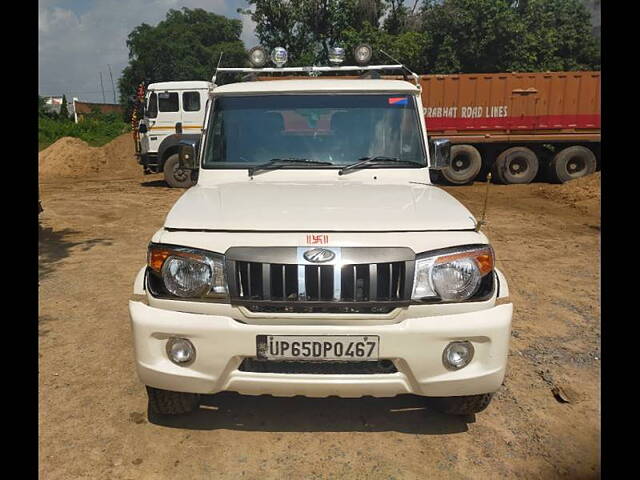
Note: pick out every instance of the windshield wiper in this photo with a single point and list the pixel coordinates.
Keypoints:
(363, 162)
(276, 163)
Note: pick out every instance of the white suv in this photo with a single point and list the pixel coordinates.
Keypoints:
(314, 257)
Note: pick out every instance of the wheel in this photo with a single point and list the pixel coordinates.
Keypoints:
(175, 176)
(466, 405)
(466, 163)
(165, 402)
(572, 162)
(516, 165)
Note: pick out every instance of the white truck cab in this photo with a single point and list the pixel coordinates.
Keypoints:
(173, 111)
(315, 257)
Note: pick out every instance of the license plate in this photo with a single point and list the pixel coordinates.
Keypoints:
(320, 347)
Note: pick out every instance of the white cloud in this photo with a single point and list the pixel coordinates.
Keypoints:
(79, 38)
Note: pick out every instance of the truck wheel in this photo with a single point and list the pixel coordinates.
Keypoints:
(466, 163)
(572, 162)
(516, 165)
(175, 176)
(466, 405)
(165, 402)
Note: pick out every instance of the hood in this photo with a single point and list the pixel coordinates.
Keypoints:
(318, 207)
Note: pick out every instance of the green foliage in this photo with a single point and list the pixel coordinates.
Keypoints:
(186, 45)
(441, 36)
(308, 28)
(397, 19)
(64, 109)
(41, 105)
(500, 35)
(96, 129)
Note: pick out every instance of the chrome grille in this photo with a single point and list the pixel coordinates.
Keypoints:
(284, 281)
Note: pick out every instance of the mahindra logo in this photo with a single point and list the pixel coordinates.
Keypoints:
(318, 255)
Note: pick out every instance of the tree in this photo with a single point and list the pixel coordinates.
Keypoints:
(186, 45)
(64, 109)
(440, 36)
(506, 35)
(42, 106)
(559, 36)
(396, 20)
(308, 28)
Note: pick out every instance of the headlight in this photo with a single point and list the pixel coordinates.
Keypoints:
(452, 275)
(187, 272)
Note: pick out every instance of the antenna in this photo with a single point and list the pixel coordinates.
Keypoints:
(415, 76)
(215, 73)
(484, 209)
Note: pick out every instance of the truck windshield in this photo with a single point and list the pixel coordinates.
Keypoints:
(338, 129)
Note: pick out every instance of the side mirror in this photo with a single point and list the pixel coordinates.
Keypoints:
(187, 156)
(440, 154)
(142, 128)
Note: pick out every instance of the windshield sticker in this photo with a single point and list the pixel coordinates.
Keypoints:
(398, 100)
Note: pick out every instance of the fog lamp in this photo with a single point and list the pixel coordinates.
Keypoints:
(362, 54)
(457, 355)
(258, 57)
(279, 56)
(336, 55)
(180, 351)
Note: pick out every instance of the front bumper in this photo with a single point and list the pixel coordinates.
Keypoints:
(415, 346)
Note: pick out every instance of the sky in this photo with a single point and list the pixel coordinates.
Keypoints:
(78, 39)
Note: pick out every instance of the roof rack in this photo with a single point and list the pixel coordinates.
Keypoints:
(316, 69)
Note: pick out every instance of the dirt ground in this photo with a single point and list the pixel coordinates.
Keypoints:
(92, 408)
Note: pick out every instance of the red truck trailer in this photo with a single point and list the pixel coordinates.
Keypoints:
(516, 123)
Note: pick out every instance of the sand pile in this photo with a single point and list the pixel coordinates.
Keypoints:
(73, 158)
(582, 193)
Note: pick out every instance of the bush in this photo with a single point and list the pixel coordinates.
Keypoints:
(96, 129)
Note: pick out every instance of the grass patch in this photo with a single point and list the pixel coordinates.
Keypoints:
(97, 129)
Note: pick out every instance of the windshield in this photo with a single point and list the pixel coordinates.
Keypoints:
(340, 129)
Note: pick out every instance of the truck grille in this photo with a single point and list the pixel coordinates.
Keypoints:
(279, 286)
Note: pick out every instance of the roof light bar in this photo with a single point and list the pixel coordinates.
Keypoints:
(310, 69)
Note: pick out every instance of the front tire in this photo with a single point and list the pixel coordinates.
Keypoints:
(165, 402)
(175, 176)
(516, 165)
(466, 405)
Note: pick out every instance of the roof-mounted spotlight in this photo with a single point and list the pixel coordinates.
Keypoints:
(258, 57)
(336, 55)
(279, 56)
(363, 54)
